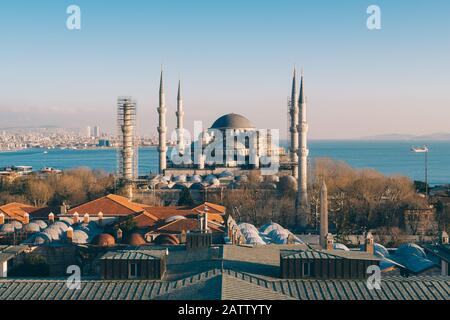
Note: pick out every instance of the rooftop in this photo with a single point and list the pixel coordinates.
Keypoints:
(228, 285)
(232, 121)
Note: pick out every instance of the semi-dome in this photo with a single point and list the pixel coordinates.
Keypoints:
(232, 121)
(135, 239)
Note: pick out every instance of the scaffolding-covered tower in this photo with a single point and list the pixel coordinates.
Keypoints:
(127, 151)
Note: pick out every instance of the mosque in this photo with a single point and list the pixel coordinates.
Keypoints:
(234, 144)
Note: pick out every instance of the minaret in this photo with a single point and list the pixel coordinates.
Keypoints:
(323, 215)
(294, 130)
(162, 149)
(180, 120)
(302, 193)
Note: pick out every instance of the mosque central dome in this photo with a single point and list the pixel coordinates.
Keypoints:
(232, 121)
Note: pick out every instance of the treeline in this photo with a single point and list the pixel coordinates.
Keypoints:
(73, 187)
(359, 199)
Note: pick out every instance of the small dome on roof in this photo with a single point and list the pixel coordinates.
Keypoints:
(214, 182)
(17, 225)
(79, 237)
(39, 238)
(179, 186)
(197, 186)
(135, 239)
(226, 174)
(195, 178)
(409, 249)
(268, 227)
(254, 240)
(209, 178)
(7, 228)
(42, 224)
(104, 240)
(32, 227)
(180, 178)
(166, 239)
(287, 183)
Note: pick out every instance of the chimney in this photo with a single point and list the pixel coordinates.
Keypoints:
(329, 241)
(63, 209)
(444, 237)
(119, 234)
(100, 218)
(69, 235)
(86, 218)
(205, 223)
(323, 215)
(200, 222)
(205, 218)
(2, 218)
(51, 217)
(26, 218)
(75, 218)
(368, 244)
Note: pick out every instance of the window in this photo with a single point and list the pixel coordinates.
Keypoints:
(134, 270)
(306, 269)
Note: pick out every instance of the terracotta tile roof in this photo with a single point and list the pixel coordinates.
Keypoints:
(16, 210)
(145, 219)
(180, 225)
(212, 207)
(110, 205)
(166, 212)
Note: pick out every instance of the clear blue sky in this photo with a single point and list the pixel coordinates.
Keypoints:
(232, 56)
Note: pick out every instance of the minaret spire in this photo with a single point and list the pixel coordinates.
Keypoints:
(180, 120)
(293, 125)
(323, 214)
(162, 129)
(302, 204)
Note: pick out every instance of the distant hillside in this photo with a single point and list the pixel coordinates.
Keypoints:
(406, 137)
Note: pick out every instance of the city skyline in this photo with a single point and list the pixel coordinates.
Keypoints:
(359, 82)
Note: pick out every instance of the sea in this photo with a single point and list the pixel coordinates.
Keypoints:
(388, 157)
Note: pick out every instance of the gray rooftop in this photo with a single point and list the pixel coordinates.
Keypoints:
(227, 284)
(133, 255)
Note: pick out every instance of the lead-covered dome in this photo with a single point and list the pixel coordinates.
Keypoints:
(232, 121)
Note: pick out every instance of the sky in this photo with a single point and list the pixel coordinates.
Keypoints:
(232, 56)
